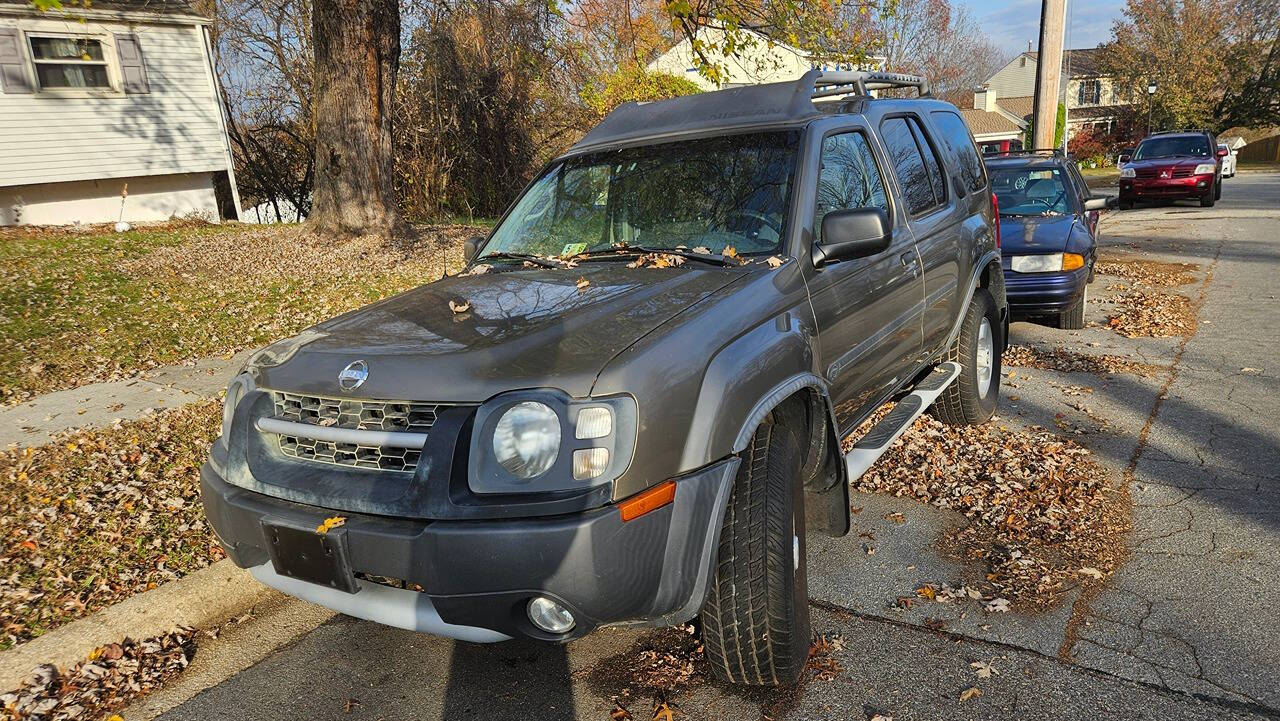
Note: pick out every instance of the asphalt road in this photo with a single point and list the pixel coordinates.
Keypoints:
(1187, 629)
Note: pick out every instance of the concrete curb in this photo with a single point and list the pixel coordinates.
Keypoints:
(203, 599)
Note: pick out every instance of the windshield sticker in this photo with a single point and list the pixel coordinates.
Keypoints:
(573, 249)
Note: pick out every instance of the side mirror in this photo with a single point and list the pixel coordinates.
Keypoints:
(470, 247)
(1100, 203)
(856, 233)
(1125, 158)
(1223, 152)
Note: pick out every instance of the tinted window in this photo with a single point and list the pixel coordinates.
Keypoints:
(1195, 145)
(908, 165)
(956, 135)
(849, 178)
(931, 161)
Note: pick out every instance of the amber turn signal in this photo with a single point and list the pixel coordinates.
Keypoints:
(1071, 261)
(650, 500)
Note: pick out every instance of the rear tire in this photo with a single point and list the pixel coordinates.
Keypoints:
(971, 399)
(755, 624)
(1073, 318)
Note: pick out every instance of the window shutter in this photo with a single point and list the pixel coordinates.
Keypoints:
(132, 69)
(13, 65)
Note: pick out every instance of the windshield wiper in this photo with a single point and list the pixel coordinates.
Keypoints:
(642, 250)
(536, 260)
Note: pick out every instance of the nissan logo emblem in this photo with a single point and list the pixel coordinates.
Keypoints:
(353, 376)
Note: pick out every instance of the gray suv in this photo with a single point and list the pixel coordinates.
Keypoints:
(628, 410)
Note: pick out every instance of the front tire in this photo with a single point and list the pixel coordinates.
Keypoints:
(971, 399)
(1073, 318)
(1217, 190)
(1210, 197)
(755, 624)
(1125, 204)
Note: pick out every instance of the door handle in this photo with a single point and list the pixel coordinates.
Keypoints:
(909, 262)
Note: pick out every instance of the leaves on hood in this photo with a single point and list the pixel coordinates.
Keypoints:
(775, 262)
(480, 269)
(657, 260)
(583, 283)
(459, 306)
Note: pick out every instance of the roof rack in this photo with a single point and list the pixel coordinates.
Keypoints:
(832, 83)
(1185, 130)
(1034, 151)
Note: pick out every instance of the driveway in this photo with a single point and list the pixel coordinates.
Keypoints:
(1186, 629)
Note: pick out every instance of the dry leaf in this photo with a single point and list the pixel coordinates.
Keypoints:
(896, 517)
(729, 252)
(881, 717)
(663, 712)
(1091, 572)
(702, 250)
(620, 714)
(983, 669)
(971, 692)
(330, 523)
(997, 605)
(462, 307)
(480, 269)
(583, 283)
(774, 261)
(927, 591)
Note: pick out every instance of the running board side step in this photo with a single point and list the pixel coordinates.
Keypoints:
(882, 435)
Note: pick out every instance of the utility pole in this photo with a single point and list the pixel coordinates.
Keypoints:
(1053, 15)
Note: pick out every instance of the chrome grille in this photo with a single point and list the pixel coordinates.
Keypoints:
(359, 414)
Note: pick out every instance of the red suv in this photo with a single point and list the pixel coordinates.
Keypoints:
(1175, 165)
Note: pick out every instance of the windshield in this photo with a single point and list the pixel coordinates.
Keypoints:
(1165, 147)
(1030, 191)
(709, 193)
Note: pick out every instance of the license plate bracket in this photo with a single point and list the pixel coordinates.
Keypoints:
(309, 556)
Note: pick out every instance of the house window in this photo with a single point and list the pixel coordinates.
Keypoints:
(69, 62)
(1089, 93)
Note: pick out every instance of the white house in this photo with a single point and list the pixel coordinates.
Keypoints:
(119, 95)
(761, 60)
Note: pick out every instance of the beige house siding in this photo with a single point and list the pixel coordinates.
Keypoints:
(81, 134)
(152, 198)
(759, 64)
(1017, 78)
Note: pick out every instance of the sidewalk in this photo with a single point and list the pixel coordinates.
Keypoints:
(100, 404)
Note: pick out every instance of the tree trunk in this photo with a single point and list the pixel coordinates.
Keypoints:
(357, 54)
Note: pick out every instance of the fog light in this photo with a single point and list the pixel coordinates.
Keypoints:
(550, 616)
(589, 463)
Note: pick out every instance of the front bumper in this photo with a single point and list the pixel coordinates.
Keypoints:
(1033, 294)
(478, 576)
(1195, 186)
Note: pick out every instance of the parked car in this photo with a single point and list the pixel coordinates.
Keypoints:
(1174, 165)
(1048, 228)
(629, 408)
(1228, 160)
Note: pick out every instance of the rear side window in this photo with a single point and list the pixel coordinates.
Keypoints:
(956, 135)
(922, 185)
(849, 178)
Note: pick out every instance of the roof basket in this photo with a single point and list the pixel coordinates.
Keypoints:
(832, 83)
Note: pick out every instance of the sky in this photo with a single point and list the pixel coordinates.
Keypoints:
(1012, 23)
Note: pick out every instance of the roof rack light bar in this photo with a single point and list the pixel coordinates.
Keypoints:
(829, 83)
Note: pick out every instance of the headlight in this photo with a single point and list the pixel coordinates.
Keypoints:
(526, 440)
(543, 441)
(1036, 263)
(1127, 173)
(1206, 169)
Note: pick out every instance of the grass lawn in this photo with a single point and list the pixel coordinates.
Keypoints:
(79, 307)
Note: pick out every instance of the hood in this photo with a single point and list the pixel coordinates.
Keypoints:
(1171, 161)
(1031, 234)
(526, 328)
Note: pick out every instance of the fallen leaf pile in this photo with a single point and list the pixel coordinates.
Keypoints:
(1149, 272)
(1060, 359)
(659, 663)
(1144, 308)
(111, 677)
(99, 515)
(81, 308)
(822, 662)
(1040, 507)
